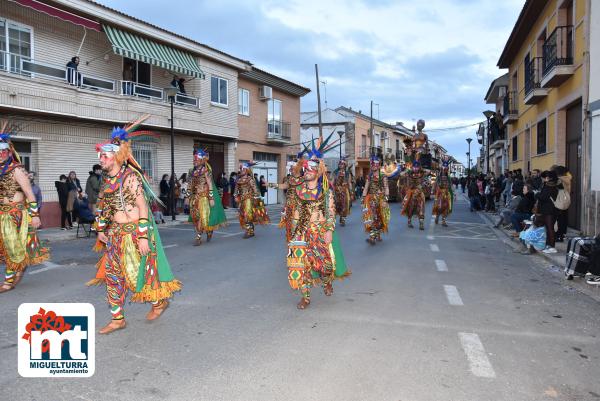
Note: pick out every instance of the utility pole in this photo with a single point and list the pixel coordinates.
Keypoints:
(371, 134)
(319, 103)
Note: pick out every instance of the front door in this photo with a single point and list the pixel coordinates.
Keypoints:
(573, 150)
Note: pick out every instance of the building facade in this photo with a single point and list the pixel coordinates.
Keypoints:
(547, 78)
(495, 131)
(269, 125)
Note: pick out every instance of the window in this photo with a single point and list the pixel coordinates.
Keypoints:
(145, 154)
(515, 148)
(243, 102)
(274, 116)
(16, 39)
(541, 137)
(264, 157)
(218, 91)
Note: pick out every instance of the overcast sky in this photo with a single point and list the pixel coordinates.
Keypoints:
(433, 59)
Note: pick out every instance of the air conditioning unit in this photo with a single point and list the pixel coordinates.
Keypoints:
(266, 92)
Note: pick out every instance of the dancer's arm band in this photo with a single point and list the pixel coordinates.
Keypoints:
(33, 209)
(142, 228)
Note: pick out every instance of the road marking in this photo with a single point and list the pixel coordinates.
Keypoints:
(430, 237)
(453, 296)
(170, 246)
(478, 361)
(441, 265)
(225, 235)
(434, 248)
(48, 266)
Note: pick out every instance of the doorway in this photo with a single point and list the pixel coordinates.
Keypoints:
(573, 161)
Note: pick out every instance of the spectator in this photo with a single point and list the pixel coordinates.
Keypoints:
(37, 192)
(545, 206)
(564, 177)
(183, 192)
(463, 183)
(232, 179)
(128, 75)
(507, 211)
(92, 186)
(473, 193)
(165, 194)
(537, 180)
(523, 211)
(83, 212)
(481, 184)
(225, 189)
(583, 256)
(534, 238)
(157, 211)
(73, 76)
(75, 192)
(490, 195)
(256, 180)
(507, 186)
(263, 186)
(180, 84)
(62, 187)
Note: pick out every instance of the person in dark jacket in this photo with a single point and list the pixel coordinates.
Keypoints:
(63, 195)
(232, 178)
(545, 206)
(473, 192)
(165, 194)
(73, 77)
(524, 209)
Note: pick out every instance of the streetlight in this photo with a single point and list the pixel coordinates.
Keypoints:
(340, 133)
(488, 114)
(170, 93)
(469, 156)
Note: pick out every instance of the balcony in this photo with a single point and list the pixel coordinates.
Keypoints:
(365, 152)
(497, 136)
(54, 90)
(511, 111)
(534, 92)
(279, 131)
(558, 57)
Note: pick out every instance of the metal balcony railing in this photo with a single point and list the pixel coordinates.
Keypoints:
(279, 130)
(25, 66)
(558, 48)
(365, 152)
(533, 74)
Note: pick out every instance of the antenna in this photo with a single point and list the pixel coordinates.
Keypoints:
(325, 91)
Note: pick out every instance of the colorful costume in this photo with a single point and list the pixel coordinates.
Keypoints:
(414, 200)
(206, 218)
(251, 207)
(376, 211)
(444, 196)
(19, 244)
(311, 260)
(343, 197)
(122, 266)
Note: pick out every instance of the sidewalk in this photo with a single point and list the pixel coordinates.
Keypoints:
(557, 261)
(55, 234)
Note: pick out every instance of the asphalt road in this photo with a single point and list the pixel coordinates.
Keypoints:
(442, 314)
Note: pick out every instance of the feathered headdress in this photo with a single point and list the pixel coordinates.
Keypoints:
(201, 154)
(247, 165)
(119, 142)
(8, 130)
(314, 155)
(375, 160)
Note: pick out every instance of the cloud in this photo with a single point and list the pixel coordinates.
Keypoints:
(432, 60)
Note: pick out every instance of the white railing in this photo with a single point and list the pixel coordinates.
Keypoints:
(25, 66)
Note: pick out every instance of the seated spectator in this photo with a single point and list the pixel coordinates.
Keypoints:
(534, 238)
(82, 211)
(507, 211)
(157, 211)
(523, 211)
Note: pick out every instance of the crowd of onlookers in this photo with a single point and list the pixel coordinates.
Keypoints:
(77, 203)
(535, 207)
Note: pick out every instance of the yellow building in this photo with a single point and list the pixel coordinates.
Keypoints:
(547, 80)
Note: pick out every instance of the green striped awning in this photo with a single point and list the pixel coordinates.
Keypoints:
(138, 48)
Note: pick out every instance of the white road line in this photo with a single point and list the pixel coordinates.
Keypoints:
(441, 265)
(453, 296)
(430, 237)
(49, 266)
(434, 248)
(170, 246)
(478, 361)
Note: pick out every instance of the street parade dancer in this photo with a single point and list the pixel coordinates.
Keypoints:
(19, 215)
(206, 208)
(250, 205)
(314, 253)
(342, 191)
(417, 151)
(444, 197)
(376, 210)
(133, 256)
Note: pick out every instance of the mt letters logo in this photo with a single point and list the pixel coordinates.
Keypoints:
(56, 340)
